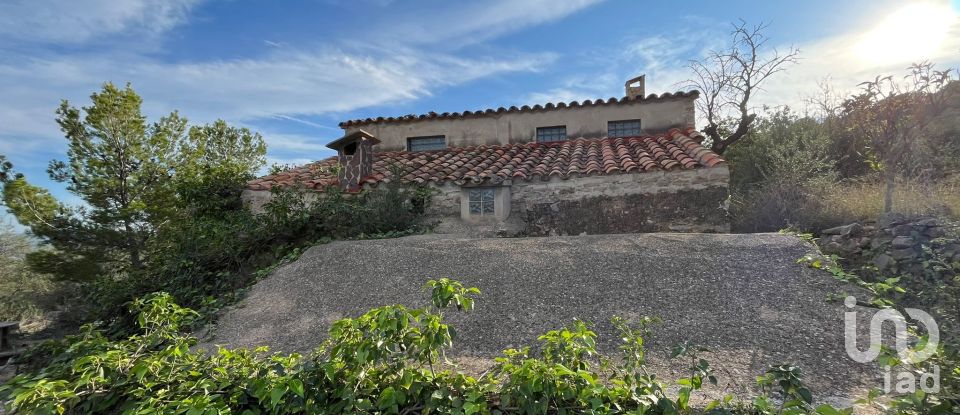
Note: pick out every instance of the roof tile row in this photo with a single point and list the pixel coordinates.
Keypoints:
(676, 149)
(526, 108)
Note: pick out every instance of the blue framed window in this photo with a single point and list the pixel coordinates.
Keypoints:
(549, 134)
(481, 201)
(623, 128)
(427, 143)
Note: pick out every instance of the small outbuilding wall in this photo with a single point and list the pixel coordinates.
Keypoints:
(659, 201)
(662, 201)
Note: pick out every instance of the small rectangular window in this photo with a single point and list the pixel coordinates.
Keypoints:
(433, 142)
(548, 134)
(623, 128)
(481, 201)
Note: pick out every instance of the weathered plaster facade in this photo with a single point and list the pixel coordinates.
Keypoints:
(585, 179)
(521, 127)
(661, 201)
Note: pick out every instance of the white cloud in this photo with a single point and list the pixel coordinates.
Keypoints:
(841, 58)
(295, 149)
(664, 59)
(311, 83)
(578, 88)
(297, 143)
(288, 81)
(78, 21)
(284, 85)
(458, 22)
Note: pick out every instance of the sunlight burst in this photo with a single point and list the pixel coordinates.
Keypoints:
(912, 33)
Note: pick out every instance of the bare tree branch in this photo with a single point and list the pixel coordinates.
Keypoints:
(728, 80)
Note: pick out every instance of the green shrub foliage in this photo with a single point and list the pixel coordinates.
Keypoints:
(165, 213)
(818, 168)
(386, 361)
(207, 260)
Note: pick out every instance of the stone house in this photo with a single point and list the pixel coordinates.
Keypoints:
(633, 164)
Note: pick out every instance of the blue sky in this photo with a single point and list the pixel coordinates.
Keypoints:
(293, 69)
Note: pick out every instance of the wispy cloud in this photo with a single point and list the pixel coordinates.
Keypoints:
(78, 21)
(662, 58)
(460, 23)
(294, 149)
(578, 88)
(305, 122)
(285, 84)
(290, 81)
(841, 58)
(296, 143)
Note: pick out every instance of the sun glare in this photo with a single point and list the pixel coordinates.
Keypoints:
(912, 33)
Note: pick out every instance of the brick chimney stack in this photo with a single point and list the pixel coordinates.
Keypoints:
(635, 87)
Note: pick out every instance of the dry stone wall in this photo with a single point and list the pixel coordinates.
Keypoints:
(895, 244)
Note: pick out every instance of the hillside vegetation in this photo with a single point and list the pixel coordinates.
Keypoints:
(162, 226)
(816, 170)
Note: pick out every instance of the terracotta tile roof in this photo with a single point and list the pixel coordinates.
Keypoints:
(675, 149)
(526, 108)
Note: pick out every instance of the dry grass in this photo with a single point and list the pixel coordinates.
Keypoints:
(864, 199)
(823, 204)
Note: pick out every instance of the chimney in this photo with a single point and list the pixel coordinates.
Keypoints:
(635, 87)
(355, 155)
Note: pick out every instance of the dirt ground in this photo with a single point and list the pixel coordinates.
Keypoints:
(742, 296)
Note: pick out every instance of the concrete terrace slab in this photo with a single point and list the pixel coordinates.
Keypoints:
(742, 296)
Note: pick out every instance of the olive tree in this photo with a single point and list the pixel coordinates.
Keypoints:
(893, 114)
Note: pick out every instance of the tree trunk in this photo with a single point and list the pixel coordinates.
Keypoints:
(891, 183)
(133, 248)
(135, 260)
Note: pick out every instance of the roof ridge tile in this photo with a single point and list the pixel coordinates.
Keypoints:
(692, 94)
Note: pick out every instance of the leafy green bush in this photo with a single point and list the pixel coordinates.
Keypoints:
(206, 257)
(776, 172)
(385, 361)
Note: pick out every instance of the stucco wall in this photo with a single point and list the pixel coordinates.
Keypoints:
(255, 199)
(521, 127)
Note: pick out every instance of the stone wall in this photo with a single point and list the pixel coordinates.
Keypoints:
(445, 201)
(893, 243)
(661, 201)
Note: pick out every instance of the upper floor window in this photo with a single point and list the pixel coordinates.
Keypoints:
(623, 128)
(548, 134)
(433, 142)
